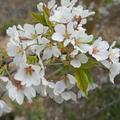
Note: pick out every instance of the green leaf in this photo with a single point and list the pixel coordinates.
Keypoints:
(89, 75)
(3, 53)
(43, 18)
(118, 44)
(3, 70)
(90, 64)
(32, 59)
(39, 18)
(46, 17)
(82, 80)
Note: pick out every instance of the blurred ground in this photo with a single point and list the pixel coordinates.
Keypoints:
(102, 104)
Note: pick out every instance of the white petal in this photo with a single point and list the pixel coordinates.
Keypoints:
(70, 28)
(39, 28)
(114, 71)
(66, 42)
(58, 37)
(40, 7)
(74, 53)
(59, 87)
(102, 55)
(103, 45)
(45, 82)
(29, 29)
(5, 79)
(75, 63)
(43, 40)
(12, 32)
(47, 54)
(66, 96)
(106, 63)
(83, 58)
(60, 28)
(65, 3)
(19, 97)
(58, 99)
(30, 93)
(73, 96)
(51, 4)
(56, 51)
(41, 90)
(71, 79)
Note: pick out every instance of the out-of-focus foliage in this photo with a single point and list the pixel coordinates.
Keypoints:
(33, 111)
(108, 1)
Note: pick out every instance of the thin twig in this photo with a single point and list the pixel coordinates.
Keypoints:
(54, 73)
(54, 64)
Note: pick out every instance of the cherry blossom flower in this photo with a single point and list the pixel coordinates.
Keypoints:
(81, 41)
(99, 50)
(18, 94)
(61, 15)
(48, 50)
(29, 75)
(16, 51)
(62, 32)
(80, 15)
(17, 91)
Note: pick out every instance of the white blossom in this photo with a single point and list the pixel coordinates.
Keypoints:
(80, 15)
(61, 15)
(16, 91)
(63, 33)
(29, 75)
(99, 50)
(81, 41)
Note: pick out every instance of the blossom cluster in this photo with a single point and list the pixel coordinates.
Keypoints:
(57, 39)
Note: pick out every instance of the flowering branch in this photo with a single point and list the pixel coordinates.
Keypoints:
(57, 39)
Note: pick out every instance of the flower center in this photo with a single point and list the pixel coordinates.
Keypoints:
(67, 49)
(18, 50)
(34, 36)
(17, 84)
(77, 18)
(66, 35)
(95, 50)
(29, 70)
(78, 42)
(49, 45)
